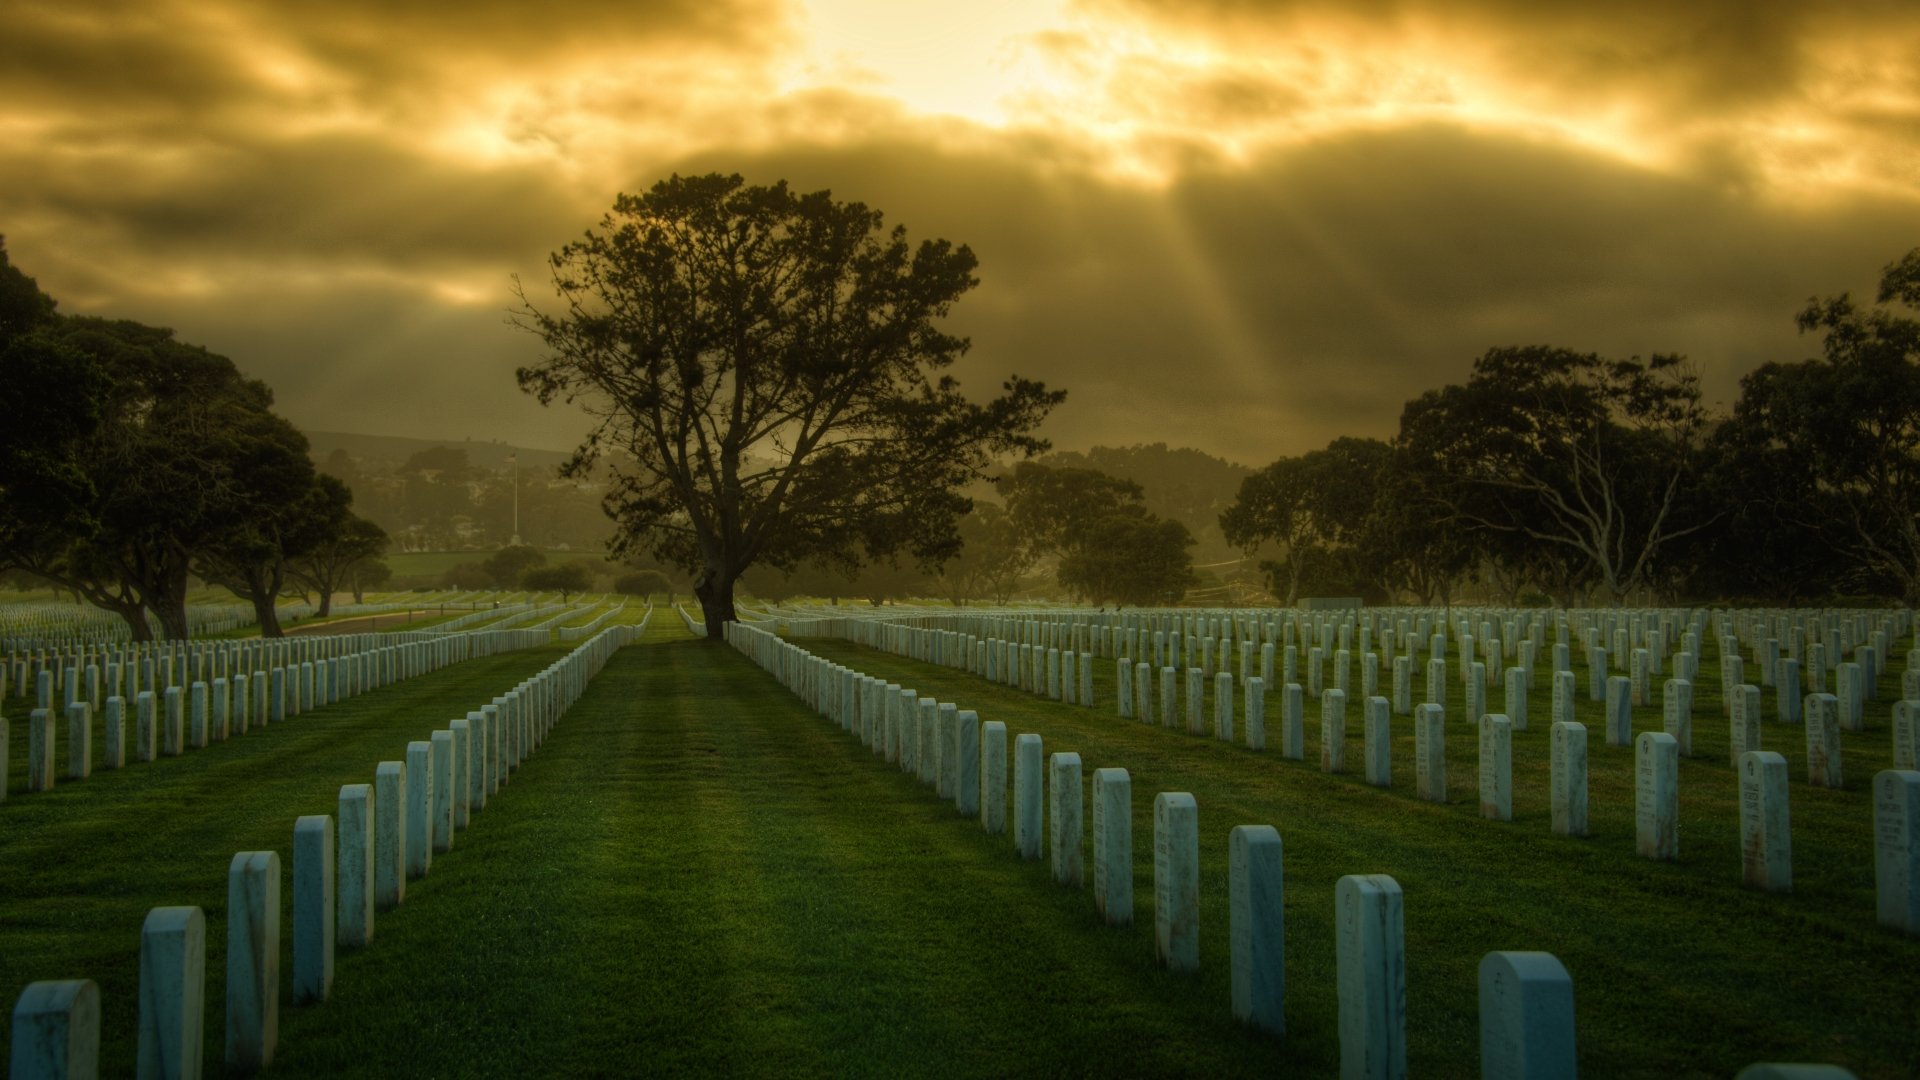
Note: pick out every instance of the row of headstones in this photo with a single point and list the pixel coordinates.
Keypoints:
(954, 647)
(205, 713)
(587, 630)
(1526, 999)
(1638, 642)
(93, 674)
(1049, 672)
(1111, 635)
(1766, 843)
(58, 624)
(387, 835)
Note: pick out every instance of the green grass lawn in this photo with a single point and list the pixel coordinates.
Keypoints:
(698, 875)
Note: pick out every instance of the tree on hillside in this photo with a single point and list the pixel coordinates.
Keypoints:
(1315, 507)
(564, 578)
(367, 574)
(505, 568)
(1403, 548)
(1568, 450)
(1108, 546)
(1843, 431)
(290, 512)
(993, 557)
(643, 583)
(1054, 509)
(1180, 483)
(54, 405)
(344, 542)
(185, 448)
(1131, 558)
(763, 369)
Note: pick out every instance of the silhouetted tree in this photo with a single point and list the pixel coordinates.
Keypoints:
(1316, 507)
(1843, 431)
(564, 578)
(1568, 450)
(763, 369)
(344, 542)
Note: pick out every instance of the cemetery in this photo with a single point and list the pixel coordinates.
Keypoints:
(1542, 701)
(854, 835)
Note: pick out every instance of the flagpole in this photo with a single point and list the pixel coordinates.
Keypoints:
(515, 459)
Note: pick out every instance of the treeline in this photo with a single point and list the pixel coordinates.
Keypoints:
(1570, 477)
(132, 462)
(438, 499)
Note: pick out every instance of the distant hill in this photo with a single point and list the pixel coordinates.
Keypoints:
(395, 449)
(1181, 483)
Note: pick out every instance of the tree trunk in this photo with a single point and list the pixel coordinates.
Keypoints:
(136, 620)
(173, 619)
(715, 592)
(267, 615)
(326, 604)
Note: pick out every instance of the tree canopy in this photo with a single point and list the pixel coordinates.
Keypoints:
(763, 369)
(130, 460)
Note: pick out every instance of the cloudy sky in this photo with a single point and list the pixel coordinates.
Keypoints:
(1239, 225)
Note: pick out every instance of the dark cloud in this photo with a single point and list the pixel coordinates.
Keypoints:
(314, 204)
(1705, 53)
(1268, 309)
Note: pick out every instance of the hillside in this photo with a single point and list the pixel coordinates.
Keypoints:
(395, 449)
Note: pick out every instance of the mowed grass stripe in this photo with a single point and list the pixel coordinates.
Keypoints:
(699, 876)
(1678, 971)
(81, 865)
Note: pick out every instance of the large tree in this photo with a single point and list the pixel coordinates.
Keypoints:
(287, 513)
(343, 544)
(179, 456)
(1315, 507)
(1588, 457)
(1130, 557)
(1055, 509)
(53, 406)
(763, 368)
(1833, 443)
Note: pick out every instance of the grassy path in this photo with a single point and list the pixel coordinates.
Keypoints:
(697, 876)
(80, 866)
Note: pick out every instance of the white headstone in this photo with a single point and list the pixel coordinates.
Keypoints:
(1823, 740)
(354, 883)
(1378, 723)
(1619, 712)
(1256, 713)
(1430, 753)
(1496, 768)
(1526, 1018)
(1113, 846)
(56, 1030)
(173, 987)
(1063, 819)
(1028, 799)
(1568, 778)
(1766, 848)
(1333, 731)
(253, 960)
(1256, 887)
(1372, 977)
(1896, 848)
(1176, 880)
(1293, 728)
(313, 908)
(1676, 713)
(1656, 804)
